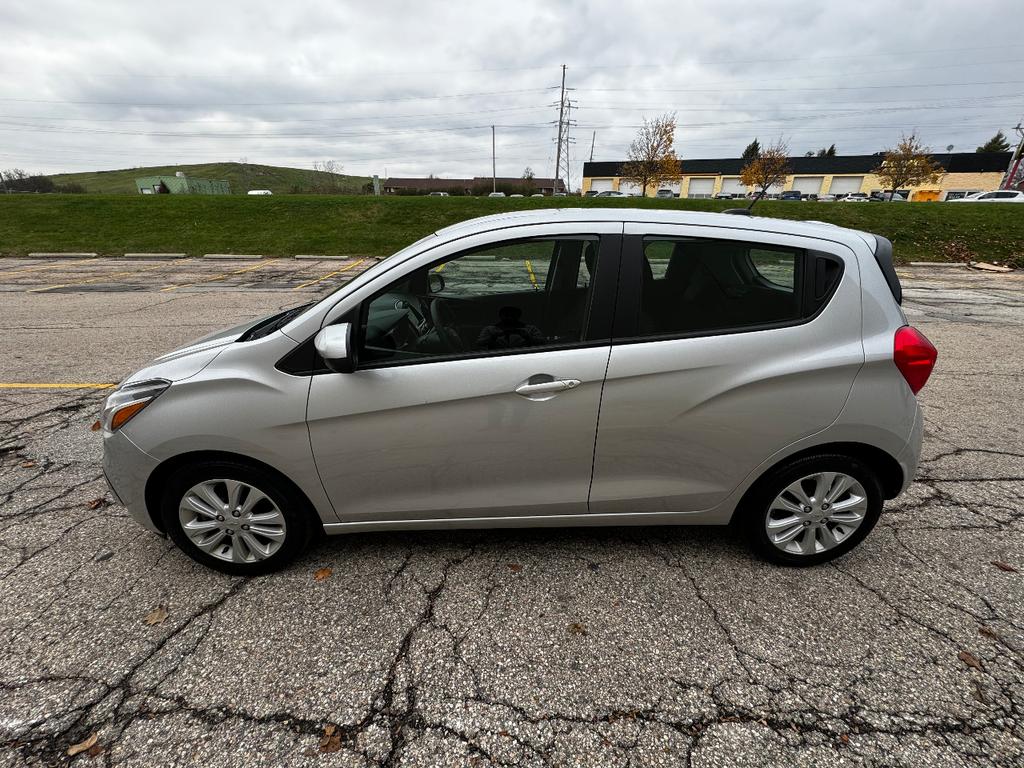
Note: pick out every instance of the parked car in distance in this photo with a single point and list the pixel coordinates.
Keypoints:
(997, 196)
(537, 194)
(724, 196)
(496, 194)
(773, 386)
(438, 194)
(826, 198)
(665, 193)
(791, 196)
(854, 197)
(884, 197)
(259, 192)
(611, 193)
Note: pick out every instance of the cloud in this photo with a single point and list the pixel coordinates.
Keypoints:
(412, 88)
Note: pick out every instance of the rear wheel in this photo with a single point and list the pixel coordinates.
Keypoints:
(812, 510)
(234, 518)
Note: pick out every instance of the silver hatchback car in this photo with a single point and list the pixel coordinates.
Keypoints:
(553, 367)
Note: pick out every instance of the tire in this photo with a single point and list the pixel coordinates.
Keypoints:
(273, 527)
(826, 533)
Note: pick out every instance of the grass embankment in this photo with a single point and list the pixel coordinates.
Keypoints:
(240, 176)
(340, 225)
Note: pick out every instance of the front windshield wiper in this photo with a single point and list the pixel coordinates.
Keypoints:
(272, 323)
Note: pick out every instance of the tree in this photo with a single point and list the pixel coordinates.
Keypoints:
(997, 143)
(753, 150)
(908, 164)
(830, 152)
(652, 158)
(767, 170)
(528, 173)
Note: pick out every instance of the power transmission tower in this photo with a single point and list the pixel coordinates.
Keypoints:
(569, 122)
(494, 165)
(561, 116)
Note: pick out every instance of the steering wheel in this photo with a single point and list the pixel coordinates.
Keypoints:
(443, 318)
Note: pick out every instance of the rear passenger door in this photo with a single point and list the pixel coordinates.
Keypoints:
(728, 346)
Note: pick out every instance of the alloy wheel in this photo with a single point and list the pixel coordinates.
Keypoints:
(232, 521)
(816, 513)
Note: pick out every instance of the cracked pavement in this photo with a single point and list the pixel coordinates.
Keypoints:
(592, 647)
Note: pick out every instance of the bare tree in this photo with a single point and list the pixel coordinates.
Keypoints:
(652, 158)
(908, 164)
(326, 177)
(528, 173)
(767, 170)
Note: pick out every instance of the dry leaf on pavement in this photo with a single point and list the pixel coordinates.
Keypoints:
(515, 567)
(27, 464)
(576, 628)
(971, 660)
(323, 573)
(1004, 567)
(97, 503)
(331, 740)
(157, 616)
(81, 746)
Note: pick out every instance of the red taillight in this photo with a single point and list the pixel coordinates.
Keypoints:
(914, 355)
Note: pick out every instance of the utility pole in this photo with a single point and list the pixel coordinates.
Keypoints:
(592, 140)
(568, 122)
(494, 165)
(558, 144)
(1011, 172)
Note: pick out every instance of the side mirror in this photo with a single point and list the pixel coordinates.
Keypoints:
(436, 281)
(334, 345)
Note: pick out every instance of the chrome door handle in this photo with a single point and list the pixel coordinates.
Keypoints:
(547, 387)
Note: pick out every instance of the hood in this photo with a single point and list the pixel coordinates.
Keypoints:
(191, 359)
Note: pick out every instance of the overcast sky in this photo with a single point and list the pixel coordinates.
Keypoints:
(412, 88)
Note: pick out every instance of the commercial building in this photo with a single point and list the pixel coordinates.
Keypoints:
(475, 186)
(964, 172)
(180, 184)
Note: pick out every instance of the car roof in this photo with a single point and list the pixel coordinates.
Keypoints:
(652, 216)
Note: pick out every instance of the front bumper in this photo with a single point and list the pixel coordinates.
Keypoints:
(127, 467)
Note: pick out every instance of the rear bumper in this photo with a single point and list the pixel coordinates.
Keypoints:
(910, 456)
(127, 468)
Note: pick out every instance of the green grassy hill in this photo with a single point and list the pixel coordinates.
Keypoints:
(283, 225)
(241, 176)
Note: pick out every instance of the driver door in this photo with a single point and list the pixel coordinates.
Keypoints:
(477, 386)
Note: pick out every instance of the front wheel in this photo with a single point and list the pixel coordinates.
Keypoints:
(812, 510)
(234, 518)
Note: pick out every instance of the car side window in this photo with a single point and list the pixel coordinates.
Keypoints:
(503, 298)
(717, 285)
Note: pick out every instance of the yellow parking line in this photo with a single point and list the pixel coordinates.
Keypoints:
(219, 277)
(533, 277)
(100, 278)
(49, 266)
(46, 385)
(329, 274)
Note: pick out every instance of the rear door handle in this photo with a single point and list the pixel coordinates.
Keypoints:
(547, 387)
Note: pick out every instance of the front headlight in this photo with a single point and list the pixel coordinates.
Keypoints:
(125, 402)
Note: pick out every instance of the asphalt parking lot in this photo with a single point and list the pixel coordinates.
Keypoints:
(623, 646)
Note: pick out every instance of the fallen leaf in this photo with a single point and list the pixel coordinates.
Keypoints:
(1004, 567)
(845, 738)
(98, 503)
(81, 746)
(96, 426)
(971, 661)
(157, 616)
(979, 693)
(27, 464)
(323, 573)
(331, 740)
(990, 633)
(515, 567)
(576, 628)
